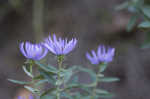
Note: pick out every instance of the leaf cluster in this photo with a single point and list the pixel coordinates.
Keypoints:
(141, 11)
(69, 85)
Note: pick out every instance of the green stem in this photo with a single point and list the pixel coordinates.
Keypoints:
(93, 91)
(96, 83)
(31, 66)
(60, 60)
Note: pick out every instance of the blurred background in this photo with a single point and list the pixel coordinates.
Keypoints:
(92, 22)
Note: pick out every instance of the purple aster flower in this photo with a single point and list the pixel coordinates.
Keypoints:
(30, 97)
(59, 46)
(33, 51)
(102, 55)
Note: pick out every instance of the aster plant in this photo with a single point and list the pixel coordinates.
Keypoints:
(64, 82)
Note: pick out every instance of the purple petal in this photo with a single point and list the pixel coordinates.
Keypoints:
(22, 49)
(45, 53)
(102, 55)
(59, 46)
(70, 46)
(54, 38)
(93, 53)
(32, 51)
(49, 47)
(99, 51)
(20, 97)
(91, 59)
(28, 47)
(38, 52)
(31, 97)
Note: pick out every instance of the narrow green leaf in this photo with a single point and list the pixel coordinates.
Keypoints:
(66, 95)
(77, 95)
(122, 6)
(100, 75)
(131, 23)
(47, 76)
(72, 86)
(109, 95)
(145, 24)
(19, 82)
(52, 67)
(27, 72)
(85, 88)
(46, 68)
(108, 79)
(59, 82)
(48, 97)
(41, 82)
(74, 79)
(100, 91)
(86, 97)
(67, 75)
(28, 61)
(81, 86)
(49, 91)
(137, 3)
(146, 10)
(33, 90)
(145, 46)
(103, 67)
(39, 77)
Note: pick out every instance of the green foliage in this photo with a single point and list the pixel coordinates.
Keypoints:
(27, 71)
(100, 91)
(48, 76)
(108, 79)
(47, 92)
(19, 82)
(145, 24)
(33, 90)
(47, 68)
(103, 66)
(140, 10)
(131, 23)
(146, 11)
(65, 82)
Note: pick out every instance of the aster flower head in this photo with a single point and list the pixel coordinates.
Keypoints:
(105, 55)
(102, 55)
(59, 46)
(33, 51)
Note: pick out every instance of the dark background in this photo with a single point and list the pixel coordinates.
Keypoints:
(92, 22)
